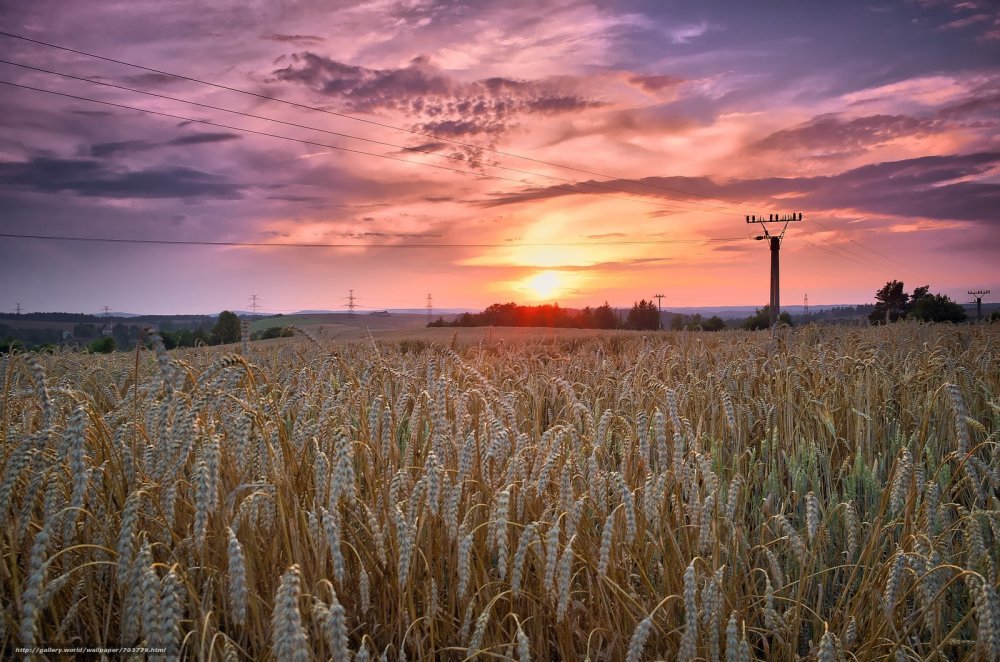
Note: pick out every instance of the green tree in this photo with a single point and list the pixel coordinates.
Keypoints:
(937, 308)
(714, 323)
(10, 344)
(227, 329)
(891, 303)
(605, 318)
(282, 332)
(762, 319)
(643, 316)
(103, 345)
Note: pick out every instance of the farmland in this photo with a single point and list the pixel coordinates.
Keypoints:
(822, 493)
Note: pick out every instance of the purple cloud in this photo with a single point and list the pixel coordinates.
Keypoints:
(934, 187)
(833, 133)
(441, 103)
(90, 178)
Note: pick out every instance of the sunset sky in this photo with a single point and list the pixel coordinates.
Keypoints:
(877, 120)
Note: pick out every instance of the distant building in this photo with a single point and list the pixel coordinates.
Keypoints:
(379, 313)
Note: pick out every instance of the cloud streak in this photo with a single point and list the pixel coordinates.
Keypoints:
(94, 179)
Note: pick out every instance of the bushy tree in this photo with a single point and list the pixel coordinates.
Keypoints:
(761, 319)
(937, 308)
(713, 323)
(279, 332)
(604, 317)
(892, 303)
(643, 316)
(10, 344)
(227, 329)
(103, 345)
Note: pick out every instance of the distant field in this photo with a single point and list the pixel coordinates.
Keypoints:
(824, 493)
(334, 322)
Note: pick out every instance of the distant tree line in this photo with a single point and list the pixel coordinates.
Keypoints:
(696, 322)
(643, 316)
(550, 315)
(93, 334)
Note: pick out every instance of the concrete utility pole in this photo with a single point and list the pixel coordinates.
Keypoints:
(979, 294)
(430, 309)
(774, 307)
(350, 303)
(254, 304)
(659, 311)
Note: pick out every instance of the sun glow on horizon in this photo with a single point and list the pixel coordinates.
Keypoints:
(545, 284)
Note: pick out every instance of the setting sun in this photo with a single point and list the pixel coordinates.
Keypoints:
(545, 284)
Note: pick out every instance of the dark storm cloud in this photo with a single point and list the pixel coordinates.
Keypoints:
(153, 79)
(833, 133)
(91, 178)
(925, 187)
(441, 103)
(106, 149)
(202, 138)
(295, 39)
(430, 147)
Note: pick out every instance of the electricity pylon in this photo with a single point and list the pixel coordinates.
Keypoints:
(774, 307)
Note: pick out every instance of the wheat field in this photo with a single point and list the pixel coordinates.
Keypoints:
(827, 493)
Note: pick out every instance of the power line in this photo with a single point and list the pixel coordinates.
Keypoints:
(326, 145)
(844, 256)
(359, 119)
(867, 248)
(452, 157)
(254, 304)
(350, 303)
(186, 242)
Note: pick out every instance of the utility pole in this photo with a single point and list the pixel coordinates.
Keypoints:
(254, 303)
(18, 311)
(350, 303)
(805, 306)
(979, 294)
(774, 240)
(659, 311)
(430, 309)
